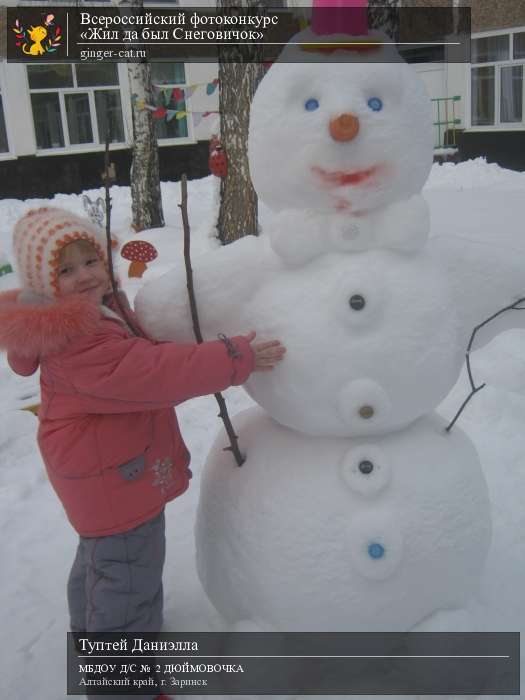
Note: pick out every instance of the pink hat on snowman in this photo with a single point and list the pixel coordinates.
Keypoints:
(340, 17)
(338, 25)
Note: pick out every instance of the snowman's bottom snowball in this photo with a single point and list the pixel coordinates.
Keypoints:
(316, 533)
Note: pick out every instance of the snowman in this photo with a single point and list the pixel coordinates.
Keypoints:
(355, 510)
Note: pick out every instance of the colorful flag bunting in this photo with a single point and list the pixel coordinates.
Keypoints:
(160, 113)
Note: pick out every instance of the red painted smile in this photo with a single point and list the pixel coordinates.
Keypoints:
(341, 178)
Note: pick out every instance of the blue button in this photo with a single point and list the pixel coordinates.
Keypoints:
(376, 550)
(311, 104)
(375, 104)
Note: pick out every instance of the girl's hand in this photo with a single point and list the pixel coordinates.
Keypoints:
(267, 354)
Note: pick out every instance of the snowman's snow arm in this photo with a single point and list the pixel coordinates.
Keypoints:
(484, 279)
(223, 279)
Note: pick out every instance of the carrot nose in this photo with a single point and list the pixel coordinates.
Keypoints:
(345, 127)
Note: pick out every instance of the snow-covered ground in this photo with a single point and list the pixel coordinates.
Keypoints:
(37, 544)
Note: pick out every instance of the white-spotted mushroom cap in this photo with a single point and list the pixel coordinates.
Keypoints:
(139, 251)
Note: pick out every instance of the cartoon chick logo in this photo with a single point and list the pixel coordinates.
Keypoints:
(39, 40)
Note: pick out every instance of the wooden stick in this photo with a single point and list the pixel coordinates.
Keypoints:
(223, 411)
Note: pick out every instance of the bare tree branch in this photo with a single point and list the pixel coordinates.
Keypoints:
(223, 411)
(474, 389)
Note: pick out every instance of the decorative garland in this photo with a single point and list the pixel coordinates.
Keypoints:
(177, 95)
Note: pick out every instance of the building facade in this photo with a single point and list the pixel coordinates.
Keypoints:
(54, 117)
(494, 94)
(479, 107)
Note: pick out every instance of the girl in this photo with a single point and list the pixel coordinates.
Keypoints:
(108, 433)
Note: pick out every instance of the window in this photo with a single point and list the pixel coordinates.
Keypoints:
(168, 82)
(490, 48)
(4, 146)
(75, 105)
(511, 101)
(482, 96)
(519, 46)
(497, 75)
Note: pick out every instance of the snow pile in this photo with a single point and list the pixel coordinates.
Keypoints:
(474, 174)
(38, 544)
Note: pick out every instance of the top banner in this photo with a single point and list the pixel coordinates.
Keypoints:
(237, 34)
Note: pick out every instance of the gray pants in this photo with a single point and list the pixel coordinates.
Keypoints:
(115, 584)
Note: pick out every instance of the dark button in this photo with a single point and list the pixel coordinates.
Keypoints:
(366, 411)
(357, 302)
(366, 466)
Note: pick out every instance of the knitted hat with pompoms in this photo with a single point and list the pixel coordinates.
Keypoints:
(38, 238)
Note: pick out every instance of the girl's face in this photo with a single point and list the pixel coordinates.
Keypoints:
(81, 271)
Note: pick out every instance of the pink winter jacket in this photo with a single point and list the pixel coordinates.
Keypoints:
(108, 433)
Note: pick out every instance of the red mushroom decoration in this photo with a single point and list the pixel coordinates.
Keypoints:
(138, 253)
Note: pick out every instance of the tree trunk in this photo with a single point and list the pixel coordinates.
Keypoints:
(238, 80)
(384, 15)
(146, 200)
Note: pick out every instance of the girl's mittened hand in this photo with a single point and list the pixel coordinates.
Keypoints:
(266, 354)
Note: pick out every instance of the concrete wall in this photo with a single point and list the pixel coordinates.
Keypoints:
(45, 176)
(507, 148)
(200, 101)
(17, 110)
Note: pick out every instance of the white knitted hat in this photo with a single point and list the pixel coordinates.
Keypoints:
(38, 238)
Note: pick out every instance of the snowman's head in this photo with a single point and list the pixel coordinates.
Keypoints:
(348, 136)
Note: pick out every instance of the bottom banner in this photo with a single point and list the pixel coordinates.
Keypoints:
(294, 663)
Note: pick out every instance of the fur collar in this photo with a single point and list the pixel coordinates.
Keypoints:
(32, 326)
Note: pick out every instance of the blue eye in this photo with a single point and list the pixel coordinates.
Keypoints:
(375, 104)
(311, 104)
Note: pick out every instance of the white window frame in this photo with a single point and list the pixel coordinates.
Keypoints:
(5, 155)
(497, 65)
(178, 140)
(95, 145)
